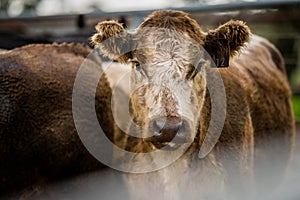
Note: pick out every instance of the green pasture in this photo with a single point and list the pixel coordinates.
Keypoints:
(296, 106)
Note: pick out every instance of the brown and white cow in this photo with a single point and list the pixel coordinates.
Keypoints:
(170, 98)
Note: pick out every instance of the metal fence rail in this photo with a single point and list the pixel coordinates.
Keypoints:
(196, 8)
(276, 20)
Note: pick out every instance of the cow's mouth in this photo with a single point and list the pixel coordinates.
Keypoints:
(166, 146)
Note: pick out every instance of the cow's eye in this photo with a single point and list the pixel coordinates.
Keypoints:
(137, 66)
(191, 73)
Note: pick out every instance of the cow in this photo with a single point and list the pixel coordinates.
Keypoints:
(175, 87)
(39, 142)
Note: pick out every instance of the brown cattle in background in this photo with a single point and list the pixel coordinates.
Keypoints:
(38, 139)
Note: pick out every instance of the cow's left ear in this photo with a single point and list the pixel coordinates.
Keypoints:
(225, 41)
(113, 41)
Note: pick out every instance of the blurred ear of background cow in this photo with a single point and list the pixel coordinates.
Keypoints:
(169, 80)
(38, 139)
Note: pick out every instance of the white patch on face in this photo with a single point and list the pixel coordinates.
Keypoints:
(168, 56)
(169, 77)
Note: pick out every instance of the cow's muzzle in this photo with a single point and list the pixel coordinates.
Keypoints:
(169, 132)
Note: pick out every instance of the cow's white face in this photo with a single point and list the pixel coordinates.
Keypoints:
(164, 97)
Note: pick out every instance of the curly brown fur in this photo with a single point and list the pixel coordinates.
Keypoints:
(110, 33)
(38, 139)
(174, 20)
(228, 39)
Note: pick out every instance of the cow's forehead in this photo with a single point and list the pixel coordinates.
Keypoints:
(161, 44)
(176, 21)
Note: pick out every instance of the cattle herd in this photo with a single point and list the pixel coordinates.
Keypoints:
(225, 89)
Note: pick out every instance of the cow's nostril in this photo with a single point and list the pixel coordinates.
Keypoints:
(158, 125)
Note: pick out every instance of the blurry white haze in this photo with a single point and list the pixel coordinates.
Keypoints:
(53, 7)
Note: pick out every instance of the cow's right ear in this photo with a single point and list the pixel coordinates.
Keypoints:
(225, 41)
(113, 41)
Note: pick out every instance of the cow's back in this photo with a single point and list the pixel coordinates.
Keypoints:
(267, 88)
(269, 98)
(37, 131)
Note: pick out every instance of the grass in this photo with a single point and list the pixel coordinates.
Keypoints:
(296, 106)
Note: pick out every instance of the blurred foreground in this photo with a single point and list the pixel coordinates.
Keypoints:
(109, 185)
